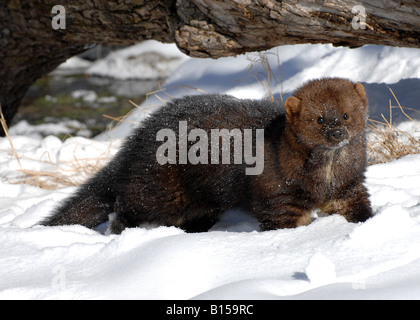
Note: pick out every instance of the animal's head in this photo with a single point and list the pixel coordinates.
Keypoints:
(328, 112)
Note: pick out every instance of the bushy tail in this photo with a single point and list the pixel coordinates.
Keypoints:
(89, 206)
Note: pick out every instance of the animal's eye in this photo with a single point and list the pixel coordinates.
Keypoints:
(320, 120)
(345, 116)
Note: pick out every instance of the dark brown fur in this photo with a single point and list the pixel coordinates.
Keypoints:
(309, 164)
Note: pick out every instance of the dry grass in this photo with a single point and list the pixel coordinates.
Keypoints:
(267, 77)
(59, 174)
(6, 131)
(119, 120)
(56, 175)
(63, 174)
(387, 142)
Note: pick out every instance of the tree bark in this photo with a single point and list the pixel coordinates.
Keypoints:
(30, 47)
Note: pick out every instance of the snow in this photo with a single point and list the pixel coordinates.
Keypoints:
(69, 127)
(146, 60)
(74, 65)
(320, 270)
(328, 259)
(85, 95)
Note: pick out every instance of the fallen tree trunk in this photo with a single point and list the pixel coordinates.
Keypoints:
(36, 36)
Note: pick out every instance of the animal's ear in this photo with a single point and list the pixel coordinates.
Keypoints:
(361, 91)
(293, 107)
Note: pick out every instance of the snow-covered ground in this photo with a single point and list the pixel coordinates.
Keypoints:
(328, 259)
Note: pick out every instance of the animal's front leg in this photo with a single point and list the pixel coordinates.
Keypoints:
(354, 205)
(280, 216)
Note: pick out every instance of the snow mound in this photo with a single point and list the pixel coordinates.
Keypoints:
(320, 270)
(146, 60)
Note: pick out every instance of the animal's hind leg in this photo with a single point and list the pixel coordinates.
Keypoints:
(162, 201)
(200, 220)
(172, 213)
(117, 225)
(151, 204)
(191, 222)
(201, 224)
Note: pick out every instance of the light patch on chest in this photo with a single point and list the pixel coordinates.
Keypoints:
(329, 171)
(333, 158)
(329, 165)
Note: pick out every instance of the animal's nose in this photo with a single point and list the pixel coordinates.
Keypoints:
(337, 134)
